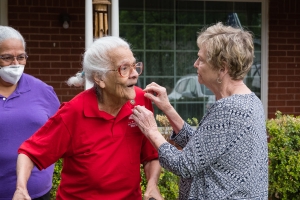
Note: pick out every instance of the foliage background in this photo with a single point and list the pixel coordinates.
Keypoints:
(284, 157)
(284, 160)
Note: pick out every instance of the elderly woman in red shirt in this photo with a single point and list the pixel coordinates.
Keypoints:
(101, 146)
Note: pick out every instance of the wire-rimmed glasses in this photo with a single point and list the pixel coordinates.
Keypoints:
(7, 58)
(126, 69)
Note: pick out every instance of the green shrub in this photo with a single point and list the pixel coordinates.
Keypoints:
(167, 184)
(284, 157)
(56, 179)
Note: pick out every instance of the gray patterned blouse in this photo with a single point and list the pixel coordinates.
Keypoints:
(226, 157)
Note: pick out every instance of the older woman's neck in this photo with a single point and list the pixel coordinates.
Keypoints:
(230, 87)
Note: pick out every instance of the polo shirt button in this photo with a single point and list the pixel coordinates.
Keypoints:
(4, 98)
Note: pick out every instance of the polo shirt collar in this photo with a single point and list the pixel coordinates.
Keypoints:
(90, 107)
(22, 87)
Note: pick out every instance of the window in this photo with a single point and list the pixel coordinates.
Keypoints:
(163, 35)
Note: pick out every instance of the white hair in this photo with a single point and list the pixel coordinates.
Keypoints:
(7, 32)
(96, 59)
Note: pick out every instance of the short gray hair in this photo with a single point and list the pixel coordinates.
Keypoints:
(7, 32)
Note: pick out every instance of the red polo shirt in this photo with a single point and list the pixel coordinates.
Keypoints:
(101, 153)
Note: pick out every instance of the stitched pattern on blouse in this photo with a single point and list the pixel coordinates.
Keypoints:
(226, 157)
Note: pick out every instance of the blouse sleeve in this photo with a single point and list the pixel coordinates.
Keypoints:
(184, 135)
(215, 136)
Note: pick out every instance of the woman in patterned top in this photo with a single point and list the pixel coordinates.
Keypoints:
(226, 157)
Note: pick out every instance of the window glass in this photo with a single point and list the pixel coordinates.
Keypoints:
(163, 36)
(159, 37)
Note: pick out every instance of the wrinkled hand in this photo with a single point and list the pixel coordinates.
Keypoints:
(21, 194)
(145, 120)
(158, 95)
(152, 192)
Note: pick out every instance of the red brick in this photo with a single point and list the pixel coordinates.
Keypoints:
(272, 85)
(293, 103)
(18, 9)
(39, 51)
(286, 47)
(70, 71)
(49, 71)
(271, 110)
(273, 59)
(287, 22)
(30, 15)
(277, 40)
(278, 53)
(277, 103)
(47, 44)
(286, 59)
(273, 47)
(285, 96)
(272, 34)
(294, 16)
(31, 71)
(286, 84)
(293, 53)
(272, 96)
(60, 65)
(18, 22)
(294, 41)
(278, 78)
(278, 16)
(45, 78)
(295, 79)
(285, 109)
(60, 51)
(295, 90)
(277, 90)
(273, 72)
(277, 66)
(39, 65)
(285, 72)
(38, 37)
(286, 34)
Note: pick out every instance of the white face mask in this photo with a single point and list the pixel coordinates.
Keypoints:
(12, 73)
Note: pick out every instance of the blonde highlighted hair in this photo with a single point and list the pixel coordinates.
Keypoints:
(229, 46)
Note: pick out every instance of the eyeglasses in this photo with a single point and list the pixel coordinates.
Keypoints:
(125, 70)
(10, 58)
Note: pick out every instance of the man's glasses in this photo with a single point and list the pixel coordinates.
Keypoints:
(10, 58)
(125, 70)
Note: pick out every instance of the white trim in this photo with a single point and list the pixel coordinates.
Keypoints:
(265, 55)
(115, 17)
(3, 13)
(88, 31)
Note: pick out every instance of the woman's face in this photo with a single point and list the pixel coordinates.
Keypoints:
(117, 86)
(206, 74)
(11, 48)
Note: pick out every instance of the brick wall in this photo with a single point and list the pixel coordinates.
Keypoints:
(55, 53)
(284, 57)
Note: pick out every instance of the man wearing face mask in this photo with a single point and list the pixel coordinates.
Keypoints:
(26, 103)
